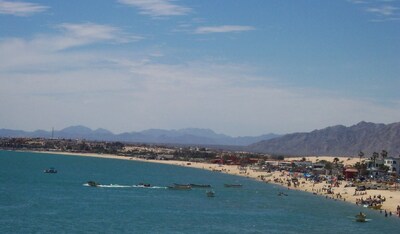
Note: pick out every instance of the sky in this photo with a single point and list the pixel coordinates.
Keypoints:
(238, 67)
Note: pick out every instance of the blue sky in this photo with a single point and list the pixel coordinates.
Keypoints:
(238, 67)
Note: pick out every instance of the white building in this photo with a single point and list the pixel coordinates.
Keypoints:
(373, 167)
(393, 164)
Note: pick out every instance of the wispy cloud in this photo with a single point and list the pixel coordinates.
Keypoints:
(20, 8)
(157, 8)
(86, 33)
(385, 10)
(73, 35)
(43, 51)
(382, 10)
(357, 1)
(223, 29)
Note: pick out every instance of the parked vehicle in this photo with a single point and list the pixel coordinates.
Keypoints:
(361, 188)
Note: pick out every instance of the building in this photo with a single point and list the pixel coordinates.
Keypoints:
(393, 164)
(374, 167)
(350, 173)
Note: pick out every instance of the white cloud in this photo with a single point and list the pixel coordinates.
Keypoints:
(157, 8)
(87, 33)
(117, 91)
(383, 10)
(223, 29)
(127, 94)
(45, 51)
(20, 8)
(74, 35)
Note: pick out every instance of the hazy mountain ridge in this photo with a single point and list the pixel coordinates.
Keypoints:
(336, 140)
(182, 136)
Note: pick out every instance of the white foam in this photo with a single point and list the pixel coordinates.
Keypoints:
(113, 186)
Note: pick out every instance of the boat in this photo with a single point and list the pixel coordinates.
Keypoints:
(183, 185)
(144, 185)
(361, 217)
(51, 170)
(375, 207)
(282, 194)
(200, 185)
(233, 185)
(180, 187)
(210, 193)
(93, 183)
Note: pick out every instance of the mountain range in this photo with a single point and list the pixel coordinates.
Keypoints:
(190, 136)
(336, 141)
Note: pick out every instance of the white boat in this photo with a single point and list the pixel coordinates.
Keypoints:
(210, 193)
(51, 170)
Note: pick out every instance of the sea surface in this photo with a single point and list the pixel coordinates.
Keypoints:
(34, 202)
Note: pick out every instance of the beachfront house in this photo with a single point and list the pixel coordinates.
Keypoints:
(319, 169)
(165, 157)
(350, 173)
(393, 164)
(374, 167)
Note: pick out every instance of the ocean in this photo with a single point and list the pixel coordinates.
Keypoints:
(35, 202)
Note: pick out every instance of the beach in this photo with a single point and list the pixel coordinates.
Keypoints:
(340, 193)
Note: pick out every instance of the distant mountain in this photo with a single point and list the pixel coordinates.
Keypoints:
(337, 141)
(194, 136)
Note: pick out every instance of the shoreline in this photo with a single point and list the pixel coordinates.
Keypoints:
(341, 193)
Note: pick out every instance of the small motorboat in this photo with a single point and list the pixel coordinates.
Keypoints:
(361, 217)
(93, 183)
(200, 185)
(210, 193)
(180, 187)
(51, 170)
(144, 185)
(233, 185)
(375, 207)
(282, 194)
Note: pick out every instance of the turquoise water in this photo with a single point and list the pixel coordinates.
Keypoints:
(34, 202)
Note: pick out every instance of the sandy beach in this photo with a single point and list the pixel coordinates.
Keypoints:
(342, 193)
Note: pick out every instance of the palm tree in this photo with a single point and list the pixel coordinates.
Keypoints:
(375, 155)
(384, 154)
(335, 161)
(360, 154)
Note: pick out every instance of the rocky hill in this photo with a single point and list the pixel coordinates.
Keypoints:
(336, 141)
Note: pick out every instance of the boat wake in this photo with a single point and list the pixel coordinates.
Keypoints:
(124, 186)
(355, 220)
(113, 186)
(148, 187)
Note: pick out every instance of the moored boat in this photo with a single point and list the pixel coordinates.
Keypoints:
(282, 194)
(51, 170)
(375, 207)
(180, 187)
(200, 185)
(233, 185)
